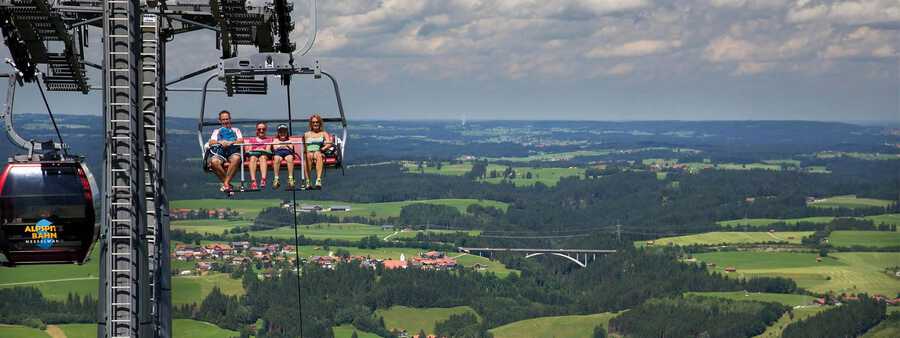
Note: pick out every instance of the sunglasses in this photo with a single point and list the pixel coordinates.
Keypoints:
(261, 129)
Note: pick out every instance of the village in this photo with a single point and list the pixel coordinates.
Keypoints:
(271, 258)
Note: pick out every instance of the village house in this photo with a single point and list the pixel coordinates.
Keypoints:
(310, 208)
(339, 208)
(240, 246)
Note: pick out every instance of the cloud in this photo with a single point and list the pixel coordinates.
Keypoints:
(846, 12)
(634, 48)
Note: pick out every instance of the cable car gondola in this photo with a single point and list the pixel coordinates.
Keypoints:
(47, 212)
(273, 64)
(46, 202)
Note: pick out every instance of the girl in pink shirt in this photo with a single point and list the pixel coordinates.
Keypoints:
(259, 150)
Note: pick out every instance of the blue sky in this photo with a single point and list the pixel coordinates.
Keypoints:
(582, 59)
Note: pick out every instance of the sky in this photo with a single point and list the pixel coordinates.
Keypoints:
(575, 59)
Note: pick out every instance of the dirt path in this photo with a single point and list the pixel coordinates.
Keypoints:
(389, 236)
(55, 332)
(775, 237)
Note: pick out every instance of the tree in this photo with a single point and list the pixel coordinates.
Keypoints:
(599, 332)
(422, 333)
(354, 335)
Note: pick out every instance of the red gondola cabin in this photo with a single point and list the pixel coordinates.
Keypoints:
(46, 212)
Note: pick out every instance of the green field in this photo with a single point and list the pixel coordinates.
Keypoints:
(250, 208)
(560, 326)
(21, 332)
(414, 319)
(849, 201)
(79, 330)
(786, 299)
(723, 237)
(492, 266)
(207, 226)
(877, 239)
(858, 155)
(187, 328)
(547, 176)
(849, 272)
(888, 328)
(346, 331)
(890, 219)
(774, 330)
(193, 289)
(28, 273)
(344, 231)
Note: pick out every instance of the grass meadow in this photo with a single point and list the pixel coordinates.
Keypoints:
(193, 289)
(415, 319)
(725, 237)
(547, 176)
(786, 299)
(346, 331)
(891, 219)
(559, 326)
(876, 239)
(249, 209)
(848, 201)
(850, 272)
(19, 331)
(774, 330)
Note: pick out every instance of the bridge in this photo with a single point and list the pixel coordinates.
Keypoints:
(578, 256)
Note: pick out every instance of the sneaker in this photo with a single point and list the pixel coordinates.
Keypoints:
(318, 183)
(225, 188)
(253, 185)
(262, 184)
(291, 183)
(307, 184)
(275, 183)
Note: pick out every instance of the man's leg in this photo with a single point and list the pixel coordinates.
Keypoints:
(215, 164)
(233, 162)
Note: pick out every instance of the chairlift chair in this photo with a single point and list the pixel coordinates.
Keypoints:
(264, 65)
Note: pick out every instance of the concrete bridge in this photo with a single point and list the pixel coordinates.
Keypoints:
(578, 256)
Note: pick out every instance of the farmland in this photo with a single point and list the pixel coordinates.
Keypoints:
(890, 219)
(723, 237)
(346, 331)
(251, 208)
(786, 299)
(193, 289)
(839, 272)
(877, 239)
(796, 314)
(79, 330)
(560, 326)
(547, 176)
(21, 332)
(849, 201)
(413, 319)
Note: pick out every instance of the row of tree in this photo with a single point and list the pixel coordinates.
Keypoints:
(694, 316)
(851, 319)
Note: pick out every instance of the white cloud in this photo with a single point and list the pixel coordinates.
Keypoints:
(634, 48)
(846, 12)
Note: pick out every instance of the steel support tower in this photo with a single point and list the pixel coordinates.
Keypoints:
(135, 282)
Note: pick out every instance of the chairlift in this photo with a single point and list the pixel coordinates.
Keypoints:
(46, 201)
(239, 74)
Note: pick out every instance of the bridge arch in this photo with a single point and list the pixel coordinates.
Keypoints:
(576, 261)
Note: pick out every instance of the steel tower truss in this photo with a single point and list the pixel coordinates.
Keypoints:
(135, 284)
